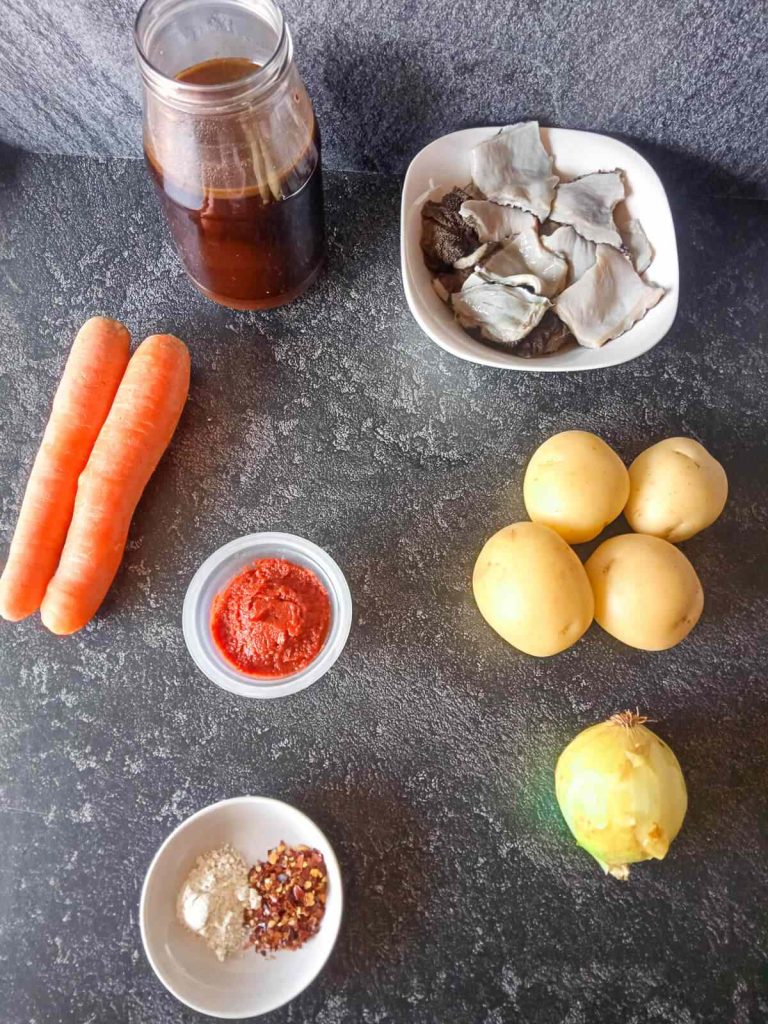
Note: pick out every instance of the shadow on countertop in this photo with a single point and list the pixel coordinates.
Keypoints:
(10, 157)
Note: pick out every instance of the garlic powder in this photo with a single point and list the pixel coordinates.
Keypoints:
(212, 900)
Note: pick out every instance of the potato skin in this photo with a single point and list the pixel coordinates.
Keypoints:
(576, 484)
(676, 490)
(532, 589)
(647, 593)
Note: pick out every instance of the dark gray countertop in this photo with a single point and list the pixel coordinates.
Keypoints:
(426, 755)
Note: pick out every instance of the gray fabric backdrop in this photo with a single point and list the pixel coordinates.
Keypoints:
(689, 78)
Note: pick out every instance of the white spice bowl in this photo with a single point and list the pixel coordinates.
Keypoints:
(246, 984)
(214, 575)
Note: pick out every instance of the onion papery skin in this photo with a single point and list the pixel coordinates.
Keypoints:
(622, 793)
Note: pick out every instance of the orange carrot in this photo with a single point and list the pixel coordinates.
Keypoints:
(137, 431)
(93, 371)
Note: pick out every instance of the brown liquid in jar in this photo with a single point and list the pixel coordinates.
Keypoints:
(252, 247)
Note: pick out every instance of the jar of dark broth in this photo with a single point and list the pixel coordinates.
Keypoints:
(233, 148)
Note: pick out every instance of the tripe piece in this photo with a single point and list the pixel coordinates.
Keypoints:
(607, 300)
(578, 252)
(524, 261)
(513, 168)
(493, 222)
(501, 313)
(587, 204)
(637, 245)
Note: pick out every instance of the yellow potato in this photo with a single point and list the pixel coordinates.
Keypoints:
(532, 589)
(576, 484)
(647, 593)
(676, 490)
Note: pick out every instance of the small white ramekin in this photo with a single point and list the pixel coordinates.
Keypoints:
(216, 572)
(246, 984)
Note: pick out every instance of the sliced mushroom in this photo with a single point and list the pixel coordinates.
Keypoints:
(501, 313)
(514, 169)
(578, 253)
(495, 223)
(587, 205)
(637, 245)
(607, 300)
(524, 261)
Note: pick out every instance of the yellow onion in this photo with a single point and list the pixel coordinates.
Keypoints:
(622, 792)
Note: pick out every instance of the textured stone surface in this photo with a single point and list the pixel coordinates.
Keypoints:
(427, 753)
(689, 77)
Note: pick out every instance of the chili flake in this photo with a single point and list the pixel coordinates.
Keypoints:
(287, 898)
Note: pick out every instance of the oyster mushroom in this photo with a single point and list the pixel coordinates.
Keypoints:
(501, 313)
(578, 252)
(637, 245)
(587, 205)
(493, 222)
(607, 300)
(514, 169)
(524, 261)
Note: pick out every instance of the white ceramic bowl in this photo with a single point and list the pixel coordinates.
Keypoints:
(247, 984)
(446, 163)
(225, 563)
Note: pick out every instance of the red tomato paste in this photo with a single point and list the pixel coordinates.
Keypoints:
(271, 619)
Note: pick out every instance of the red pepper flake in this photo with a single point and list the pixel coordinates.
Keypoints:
(292, 887)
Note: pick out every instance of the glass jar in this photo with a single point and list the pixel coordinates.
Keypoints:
(233, 148)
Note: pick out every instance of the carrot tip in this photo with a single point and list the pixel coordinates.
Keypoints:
(54, 625)
(14, 616)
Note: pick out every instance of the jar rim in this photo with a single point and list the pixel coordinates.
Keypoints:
(195, 93)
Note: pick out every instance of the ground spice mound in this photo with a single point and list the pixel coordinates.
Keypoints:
(287, 899)
(212, 899)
